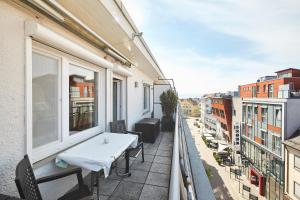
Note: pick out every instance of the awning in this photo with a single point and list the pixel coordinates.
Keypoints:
(214, 141)
(209, 138)
(222, 147)
(210, 131)
(207, 135)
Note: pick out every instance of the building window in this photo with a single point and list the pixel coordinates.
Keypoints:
(45, 99)
(297, 162)
(271, 90)
(64, 102)
(264, 138)
(264, 112)
(296, 189)
(265, 88)
(250, 112)
(278, 116)
(146, 92)
(83, 106)
(250, 133)
(258, 89)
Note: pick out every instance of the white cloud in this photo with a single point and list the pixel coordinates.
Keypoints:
(273, 27)
(195, 74)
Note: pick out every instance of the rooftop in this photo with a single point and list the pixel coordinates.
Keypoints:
(294, 141)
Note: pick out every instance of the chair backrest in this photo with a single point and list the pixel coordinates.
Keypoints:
(118, 126)
(26, 182)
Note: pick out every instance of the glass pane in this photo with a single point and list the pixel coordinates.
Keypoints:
(297, 162)
(82, 99)
(145, 97)
(44, 99)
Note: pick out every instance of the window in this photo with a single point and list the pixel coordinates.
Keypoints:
(45, 99)
(258, 89)
(146, 98)
(83, 105)
(64, 102)
(264, 112)
(297, 162)
(250, 133)
(265, 88)
(296, 189)
(249, 112)
(271, 90)
(278, 115)
(264, 138)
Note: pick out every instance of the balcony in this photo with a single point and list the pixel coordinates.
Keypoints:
(172, 170)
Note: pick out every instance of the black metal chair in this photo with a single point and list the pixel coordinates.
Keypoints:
(28, 188)
(120, 127)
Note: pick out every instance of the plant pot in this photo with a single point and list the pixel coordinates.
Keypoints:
(167, 124)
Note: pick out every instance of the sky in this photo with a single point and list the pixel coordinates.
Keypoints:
(211, 46)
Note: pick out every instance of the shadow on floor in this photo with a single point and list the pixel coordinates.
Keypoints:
(220, 190)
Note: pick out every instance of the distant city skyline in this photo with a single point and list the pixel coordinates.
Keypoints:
(214, 46)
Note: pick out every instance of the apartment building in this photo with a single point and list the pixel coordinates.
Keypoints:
(222, 111)
(292, 167)
(270, 113)
(190, 107)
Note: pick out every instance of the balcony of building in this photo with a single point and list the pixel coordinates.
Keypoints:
(172, 170)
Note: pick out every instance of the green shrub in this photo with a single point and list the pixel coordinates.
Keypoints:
(208, 172)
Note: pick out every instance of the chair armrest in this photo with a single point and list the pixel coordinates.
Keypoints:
(140, 134)
(77, 171)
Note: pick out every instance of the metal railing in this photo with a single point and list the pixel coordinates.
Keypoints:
(188, 177)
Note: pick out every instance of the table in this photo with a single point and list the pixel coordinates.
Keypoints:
(95, 154)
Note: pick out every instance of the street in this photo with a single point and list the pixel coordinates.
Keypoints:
(225, 186)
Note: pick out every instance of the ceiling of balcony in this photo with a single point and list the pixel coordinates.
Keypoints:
(106, 19)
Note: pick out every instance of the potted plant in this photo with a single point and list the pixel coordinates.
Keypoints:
(168, 101)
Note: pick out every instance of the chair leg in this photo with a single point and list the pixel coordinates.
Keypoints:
(143, 159)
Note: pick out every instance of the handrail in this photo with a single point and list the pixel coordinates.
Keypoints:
(188, 177)
(174, 192)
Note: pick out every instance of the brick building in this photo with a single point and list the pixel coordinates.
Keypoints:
(222, 110)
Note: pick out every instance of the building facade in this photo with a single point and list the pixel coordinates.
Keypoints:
(236, 127)
(190, 107)
(269, 116)
(222, 111)
(292, 167)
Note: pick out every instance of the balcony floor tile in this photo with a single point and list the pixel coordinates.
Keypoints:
(154, 193)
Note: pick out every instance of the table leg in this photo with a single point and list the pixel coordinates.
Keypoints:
(92, 185)
(127, 157)
(98, 185)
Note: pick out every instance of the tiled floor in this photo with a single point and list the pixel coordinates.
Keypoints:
(148, 180)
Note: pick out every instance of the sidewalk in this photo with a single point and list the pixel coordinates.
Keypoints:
(224, 187)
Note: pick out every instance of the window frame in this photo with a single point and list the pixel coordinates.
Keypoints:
(295, 167)
(295, 189)
(147, 109)
(65, 139)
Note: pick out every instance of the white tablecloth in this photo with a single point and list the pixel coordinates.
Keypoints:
(94, 154)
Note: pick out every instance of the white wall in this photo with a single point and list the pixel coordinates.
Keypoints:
(292, 115)
(12, 131)
(293, 174)
(12, 95)
(158, 90)
(237, 118)
(135, 97)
